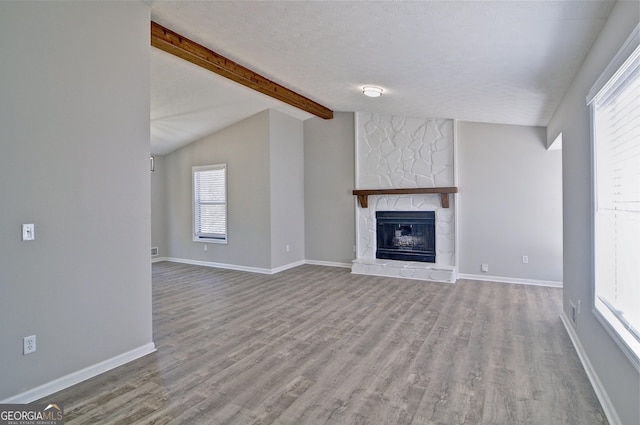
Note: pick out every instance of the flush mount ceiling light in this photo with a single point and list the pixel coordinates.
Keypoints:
(372, 91)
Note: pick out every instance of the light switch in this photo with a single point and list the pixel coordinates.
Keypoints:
(28, 232)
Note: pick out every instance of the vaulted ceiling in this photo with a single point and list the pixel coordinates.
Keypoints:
(489, 61)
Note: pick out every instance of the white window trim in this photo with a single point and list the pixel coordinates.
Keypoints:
(616, 63)
(201, 239)
(614, 68)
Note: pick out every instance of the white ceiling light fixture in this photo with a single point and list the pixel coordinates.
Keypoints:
(372, 91)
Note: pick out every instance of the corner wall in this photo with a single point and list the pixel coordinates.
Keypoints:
(329, 205)
(286, 168)
(158, 210)
(616, 380)
(74, 160)
(244, 147)
(265, 195)
(510, 203)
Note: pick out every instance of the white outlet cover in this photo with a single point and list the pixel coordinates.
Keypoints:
(29, 344)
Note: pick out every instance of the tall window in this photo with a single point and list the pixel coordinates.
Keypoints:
(210, 203)
(616, 136)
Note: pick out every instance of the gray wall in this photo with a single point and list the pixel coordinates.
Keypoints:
(287, 189)
(74, 160)
(329, 172)
(158, 210)
(510, 202)
(265, 182)
(618, 376)
(244, 147)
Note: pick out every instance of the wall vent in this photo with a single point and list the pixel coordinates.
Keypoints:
(154, 251)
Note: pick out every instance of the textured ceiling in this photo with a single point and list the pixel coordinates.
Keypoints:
(490, 61)
(189, 102)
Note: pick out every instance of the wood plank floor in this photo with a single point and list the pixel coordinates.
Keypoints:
(318, 345)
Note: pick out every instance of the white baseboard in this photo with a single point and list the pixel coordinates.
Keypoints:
(235, 266)
(79, 376)
(482, 277)
(287, 267)
(158, 259)
(328, 264)
(219, 265)
(601, 393)
(253, 269)
(502, 279)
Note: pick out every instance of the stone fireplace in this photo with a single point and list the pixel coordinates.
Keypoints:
(395, 152)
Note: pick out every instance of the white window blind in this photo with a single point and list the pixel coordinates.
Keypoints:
(210, 202)
(616, 136)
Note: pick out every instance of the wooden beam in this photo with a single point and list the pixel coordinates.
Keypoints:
(174, 43)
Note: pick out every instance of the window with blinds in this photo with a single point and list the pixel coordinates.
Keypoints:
(615, 112)
(210, 203)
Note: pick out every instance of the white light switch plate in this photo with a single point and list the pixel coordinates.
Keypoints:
(28, 232)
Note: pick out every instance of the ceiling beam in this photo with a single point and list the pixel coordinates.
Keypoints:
(180, 46)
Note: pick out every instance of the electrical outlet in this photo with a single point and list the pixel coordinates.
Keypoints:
(286, 248)
(525, 259)
(29, 344)
(573, 312)
(204, 247)
(484, 267)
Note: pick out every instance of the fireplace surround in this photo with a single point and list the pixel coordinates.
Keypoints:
(405, 164)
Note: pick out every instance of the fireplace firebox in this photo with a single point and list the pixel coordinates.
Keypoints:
(406, 235)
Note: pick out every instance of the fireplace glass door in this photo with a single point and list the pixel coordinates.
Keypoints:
(406, 235)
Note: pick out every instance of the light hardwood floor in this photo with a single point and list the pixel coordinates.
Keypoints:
(317, 345)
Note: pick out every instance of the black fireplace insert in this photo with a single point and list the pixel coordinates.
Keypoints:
(406, 235)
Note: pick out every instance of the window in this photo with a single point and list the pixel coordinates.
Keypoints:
(615, 109)
(210, 203)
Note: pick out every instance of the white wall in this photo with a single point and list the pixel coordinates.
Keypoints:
(329, 205)
(510, 202)
(74, 160)
(619, 379)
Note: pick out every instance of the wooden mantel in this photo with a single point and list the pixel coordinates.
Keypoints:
(363, 195)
